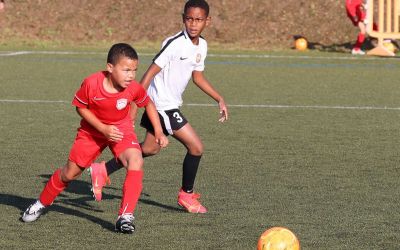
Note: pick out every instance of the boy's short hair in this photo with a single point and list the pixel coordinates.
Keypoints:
(197, 4)
(119, 50)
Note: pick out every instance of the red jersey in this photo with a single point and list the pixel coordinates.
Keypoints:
(355, 10)
(109, 108)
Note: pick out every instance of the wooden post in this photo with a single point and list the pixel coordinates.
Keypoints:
(388, 13)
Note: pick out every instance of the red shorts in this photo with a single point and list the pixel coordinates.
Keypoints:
(355, 13)
(88, 146)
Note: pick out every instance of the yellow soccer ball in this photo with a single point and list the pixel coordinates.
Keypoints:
(389, 46)
(301, 44)
(278, 238)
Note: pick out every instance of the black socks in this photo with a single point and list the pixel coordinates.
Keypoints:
(190, 166)
(112, 166)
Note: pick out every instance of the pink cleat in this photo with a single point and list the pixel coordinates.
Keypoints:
(190, 203)
(98, 174)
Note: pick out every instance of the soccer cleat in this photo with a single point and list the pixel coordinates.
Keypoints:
(189, 201)
(33, 212)
(357, 51)
(125, 224)
(98, 174)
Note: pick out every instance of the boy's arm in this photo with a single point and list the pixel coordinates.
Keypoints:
(133, 113)
(152, 113)
(206, 87)
(149, 75)
(109, 131)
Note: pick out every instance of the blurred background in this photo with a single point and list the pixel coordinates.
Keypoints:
(250, 24)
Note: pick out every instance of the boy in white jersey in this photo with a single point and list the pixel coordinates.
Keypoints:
(181, 58)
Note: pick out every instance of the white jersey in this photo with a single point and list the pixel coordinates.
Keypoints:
(178, 58)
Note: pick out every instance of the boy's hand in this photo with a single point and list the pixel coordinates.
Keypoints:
(112, 133)
(223, 111)
(162, 140)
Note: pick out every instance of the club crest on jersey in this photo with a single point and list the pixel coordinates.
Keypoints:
(121, 103)
(198, 58)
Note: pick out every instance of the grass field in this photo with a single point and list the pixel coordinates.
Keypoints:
(311, 145)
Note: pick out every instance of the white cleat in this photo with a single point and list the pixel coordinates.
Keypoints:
(357, 52)
(33, 212)
(125, 224)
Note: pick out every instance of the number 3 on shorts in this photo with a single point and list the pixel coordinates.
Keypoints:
(178, 117)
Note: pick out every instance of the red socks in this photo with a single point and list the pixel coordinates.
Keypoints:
(360, 41)
(131, 191)
(52, 189)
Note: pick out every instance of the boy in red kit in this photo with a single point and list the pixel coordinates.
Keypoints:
(357, 13)
(104, 101)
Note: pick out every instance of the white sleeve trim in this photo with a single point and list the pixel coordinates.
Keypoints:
(77, 98)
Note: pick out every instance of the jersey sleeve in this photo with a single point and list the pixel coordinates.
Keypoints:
(141, 98)
(201, 64)
(81, 98)
(165, 55)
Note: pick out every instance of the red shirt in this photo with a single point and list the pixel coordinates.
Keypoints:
(109, 108)
(355, 10)
(352, 5)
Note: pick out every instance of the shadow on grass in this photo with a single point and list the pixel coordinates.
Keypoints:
(80, 188)
(22, 203)
(337, 47)
(157, 204)
(83, 188)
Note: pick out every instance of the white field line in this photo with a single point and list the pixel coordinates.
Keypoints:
(27, 52)
(277, 106)
(31, 101)
(266, 106)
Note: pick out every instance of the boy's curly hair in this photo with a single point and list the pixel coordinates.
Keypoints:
(197, 4)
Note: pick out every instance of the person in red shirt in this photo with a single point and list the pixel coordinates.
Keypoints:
(356, 12)
(104, 102)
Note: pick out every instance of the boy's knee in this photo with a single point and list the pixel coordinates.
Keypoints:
(149, 151)
(66, 176)
(135, 164)
(196, 150)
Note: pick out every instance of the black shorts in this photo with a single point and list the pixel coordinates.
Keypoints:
(170, 120)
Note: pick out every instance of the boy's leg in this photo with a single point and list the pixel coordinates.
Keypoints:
(149, 148)
(56, 184)
(132, 160)
(100, 172)
(99, 178)
(112, 166)
(149, 145)
(187, 198)
(59, 181)
(360, 14)
(132, 188)
(360, 36)
(357, 46)
(189, 138)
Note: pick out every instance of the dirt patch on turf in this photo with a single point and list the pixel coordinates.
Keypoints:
(250, 24)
